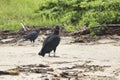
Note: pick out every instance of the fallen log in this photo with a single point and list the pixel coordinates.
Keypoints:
(110, 25)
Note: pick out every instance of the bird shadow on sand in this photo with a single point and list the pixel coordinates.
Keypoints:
(51, 56)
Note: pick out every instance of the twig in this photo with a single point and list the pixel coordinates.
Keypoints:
(23, 26)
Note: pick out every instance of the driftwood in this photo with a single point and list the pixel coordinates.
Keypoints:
(25, 28)
(82, 31)
(5, 35)
(10, 72)
(110, 25)
(82, 35)
(112, 29)
(109, 29)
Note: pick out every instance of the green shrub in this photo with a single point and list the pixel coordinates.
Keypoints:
(71, 13)
(77, 12)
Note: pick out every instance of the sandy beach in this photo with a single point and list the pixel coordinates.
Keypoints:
(89, 61)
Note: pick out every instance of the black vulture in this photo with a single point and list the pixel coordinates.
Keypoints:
(32, 35)
(51, 42)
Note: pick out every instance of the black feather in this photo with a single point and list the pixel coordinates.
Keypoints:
(51, 42)
(32, 36)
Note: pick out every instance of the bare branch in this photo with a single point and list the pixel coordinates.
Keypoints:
(23, 26)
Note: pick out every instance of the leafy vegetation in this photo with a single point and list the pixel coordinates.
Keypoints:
(71, 13)
(77, 12)
(13, 12)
